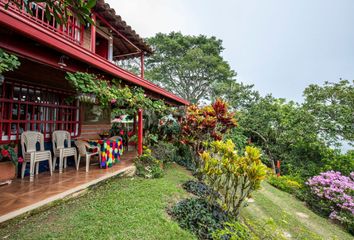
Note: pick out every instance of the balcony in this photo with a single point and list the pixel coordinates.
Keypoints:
(73, 30)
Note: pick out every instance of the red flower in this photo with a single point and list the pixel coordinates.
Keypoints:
(121, 132)
(5, 153)
(20, 160)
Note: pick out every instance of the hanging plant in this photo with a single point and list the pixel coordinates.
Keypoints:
(8, 62)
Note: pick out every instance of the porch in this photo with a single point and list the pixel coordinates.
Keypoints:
(23, 196)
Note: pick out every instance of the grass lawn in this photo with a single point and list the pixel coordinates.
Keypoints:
(289, 216)
(121, 208)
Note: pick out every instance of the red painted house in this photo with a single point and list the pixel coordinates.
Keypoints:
(32, 97)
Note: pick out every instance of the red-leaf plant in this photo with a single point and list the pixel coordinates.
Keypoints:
(208, 123)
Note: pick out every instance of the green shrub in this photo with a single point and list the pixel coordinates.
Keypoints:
(285, 183)
(184, 157)
(147, 166)
(198, 188)
(197, 216)
(233, 231)
(164, 151)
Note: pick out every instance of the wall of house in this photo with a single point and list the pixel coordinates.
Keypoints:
(92, 131)
(87, 38)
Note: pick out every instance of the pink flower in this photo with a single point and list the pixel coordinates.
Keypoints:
(113, 101)
(121, 132)
(20, 160)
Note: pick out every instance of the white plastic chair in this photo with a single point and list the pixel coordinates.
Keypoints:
(29, 140)
(82, 147)
(60, 151)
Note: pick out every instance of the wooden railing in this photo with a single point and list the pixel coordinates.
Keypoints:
(73, 30)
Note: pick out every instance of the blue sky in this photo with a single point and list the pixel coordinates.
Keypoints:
(281, 46)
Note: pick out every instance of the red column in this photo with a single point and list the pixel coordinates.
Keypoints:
(140, 131)
(142, 65)
(93, 34)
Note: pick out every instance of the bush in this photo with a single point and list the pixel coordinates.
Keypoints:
(164, 151)
(333, 194)
(197, 216)
(147, 166)
(232, 176)
(233, 231)
(285, 183)
(198, 188)
(184, 157)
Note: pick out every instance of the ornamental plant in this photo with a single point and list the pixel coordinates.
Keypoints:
(8, 62)
(337, 191)
(122, 99)
(207, 123)
(8, 153)
(231, 175)
(148, 166)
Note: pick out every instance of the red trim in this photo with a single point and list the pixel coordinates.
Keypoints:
(17, 22)
(140, 131)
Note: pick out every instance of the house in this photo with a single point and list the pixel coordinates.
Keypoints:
(33, 96)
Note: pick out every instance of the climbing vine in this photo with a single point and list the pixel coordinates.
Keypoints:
(122, 99)
(8, 62)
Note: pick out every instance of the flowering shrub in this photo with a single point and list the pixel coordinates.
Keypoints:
(337, 191)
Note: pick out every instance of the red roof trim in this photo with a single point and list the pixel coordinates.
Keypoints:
(39, 33)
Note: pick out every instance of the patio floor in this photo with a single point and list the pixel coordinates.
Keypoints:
(22, 196)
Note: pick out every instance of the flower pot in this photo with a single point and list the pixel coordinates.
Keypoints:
(7, 172)
(87, 98)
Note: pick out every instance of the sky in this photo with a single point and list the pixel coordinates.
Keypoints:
(280, 46)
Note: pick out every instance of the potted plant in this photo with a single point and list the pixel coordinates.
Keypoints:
(8, 163)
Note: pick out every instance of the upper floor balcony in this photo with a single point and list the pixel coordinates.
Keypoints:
(109, 38)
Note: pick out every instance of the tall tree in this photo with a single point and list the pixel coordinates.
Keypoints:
(333, 107)
(186, 65)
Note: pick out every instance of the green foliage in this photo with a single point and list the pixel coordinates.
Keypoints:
(184, 157)
(233, 231)
(8, 153)
(233, 176)
(336, 161)
(60, 10)
(198, 188)
(113, 93)
(164, 151)
(236, 135)
(198, 216)
(332, 106)
(187, 65)
(147, 166)
(285, 183)
(8, 62)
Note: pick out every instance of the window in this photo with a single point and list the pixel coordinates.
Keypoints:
(25, 107)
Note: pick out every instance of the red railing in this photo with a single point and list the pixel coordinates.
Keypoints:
(25, 107)
(73, 30)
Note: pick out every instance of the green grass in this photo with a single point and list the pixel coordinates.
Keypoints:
(121, 208)
(284, 213)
